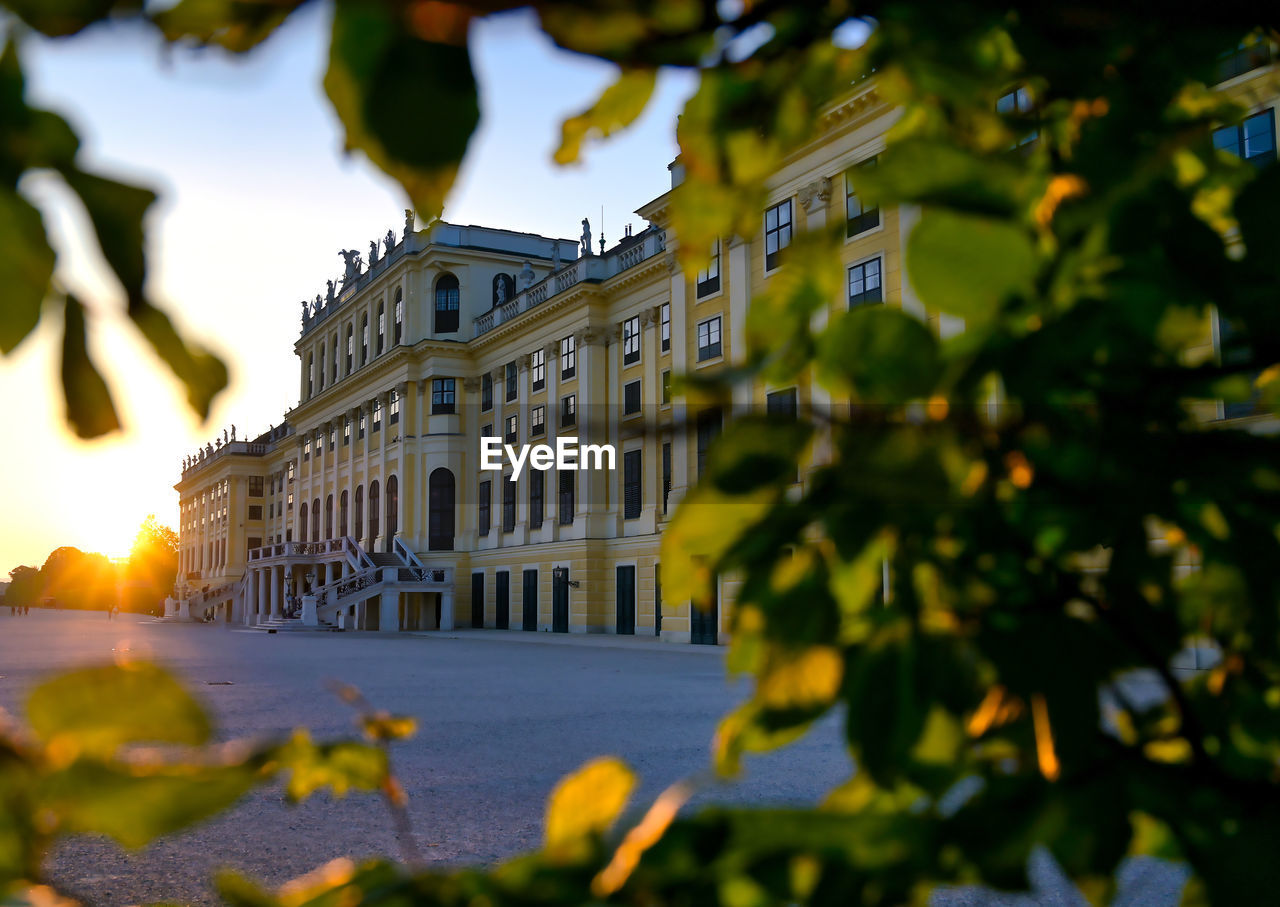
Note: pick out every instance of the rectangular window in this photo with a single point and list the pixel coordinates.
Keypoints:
(537, 421)
(665, 318)
(398, 330)
(631, 398)
(666, 385)
(709, 339)
(631, 340)
(709, 425)
(864, 284)
(538, 369)
(346, 432)
(512, 381)
(351, 345)
(254, 542)
(569, 411)
(631, 484)
(858, 217)
(487, 431)
(666, 474)
(256, 484)
(537, 487)
(508, 504)
(333, 439)
(709, 277)
(1254, 140)
(289, 501)
(1018, 105)
(784, 405)
(395, 408)
(777, 233)
(306, 450)
(377, 415)
(443, 395)
(510, 433)
(483, 500)
(568, 357)
(255, 512)
(566, 496)
(360, 434)
(486, 392)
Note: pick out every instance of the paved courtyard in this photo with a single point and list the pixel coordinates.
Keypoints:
(501, 718)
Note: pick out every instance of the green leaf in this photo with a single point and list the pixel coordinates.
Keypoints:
(409, 104)
(880, 354)
(705, 526)
(62, 17)
(615, 109)
(89, 407)
(134, 805)
(203, 373)
(1257, 210)
(96, 710)
(586, 803)
(337, 767)
(26, 265)
(967, 266)
(756, 451)
(116, 211)
(237, 25)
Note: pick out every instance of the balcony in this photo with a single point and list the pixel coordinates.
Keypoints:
(594, 268)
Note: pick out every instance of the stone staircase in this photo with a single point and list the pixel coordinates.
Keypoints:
(292, 625)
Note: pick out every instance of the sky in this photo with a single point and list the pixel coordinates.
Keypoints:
(257, 197)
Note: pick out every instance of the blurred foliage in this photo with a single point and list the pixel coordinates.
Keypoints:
(71, 578)
(1055, 512)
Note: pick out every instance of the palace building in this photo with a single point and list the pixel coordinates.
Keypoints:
(367, 508)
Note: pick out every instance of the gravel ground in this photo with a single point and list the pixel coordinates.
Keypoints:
(502, 717)
(501, 720)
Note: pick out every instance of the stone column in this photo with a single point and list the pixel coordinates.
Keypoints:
(446, 609)
(681, 442)
(277, 583)
(816, 201)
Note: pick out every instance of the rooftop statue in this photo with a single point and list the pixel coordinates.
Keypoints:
(353, 262)
(526, 275)
(373, 252)
(305, 310)
(586, 237)
(408, 222)
(233, 431)
(329, 293)
(389, 241)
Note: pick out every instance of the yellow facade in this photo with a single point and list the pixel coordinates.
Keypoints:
(533, 322)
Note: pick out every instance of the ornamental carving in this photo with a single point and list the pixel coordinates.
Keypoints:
(815, 196)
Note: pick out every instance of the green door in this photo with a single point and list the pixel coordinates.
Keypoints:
(529, 601)
(704, 621)
(626, 600)
(503, 619)
(477, 600)
(560, 600)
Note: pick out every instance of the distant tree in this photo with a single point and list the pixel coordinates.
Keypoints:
(152, 566)
(24, 586)
(79, 579)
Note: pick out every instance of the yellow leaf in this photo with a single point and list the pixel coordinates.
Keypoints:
(706, 525)
(584, 804)
(810, 679)
(615, 109)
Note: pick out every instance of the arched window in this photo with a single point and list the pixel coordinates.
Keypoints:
(397, 330)
(315, 520)
(359, 517)
(302, 523)
(342, 515)
(364, 338)
(328, 517)
(447, 297)
(373, 513)
(351, 347)
(382, 328)
(440, 510)
(393, 510)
